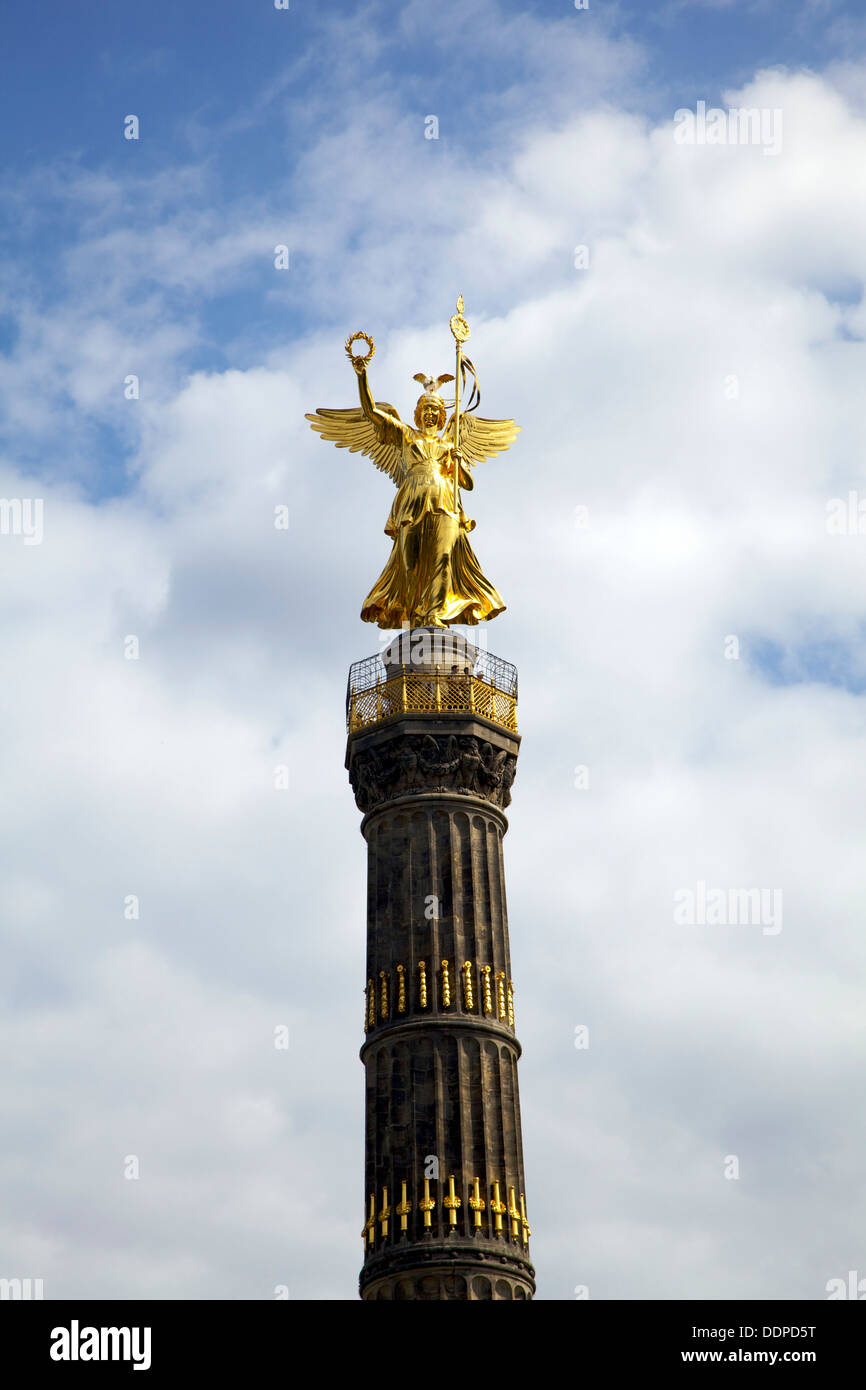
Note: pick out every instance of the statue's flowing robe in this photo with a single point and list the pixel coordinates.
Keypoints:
(432, 576)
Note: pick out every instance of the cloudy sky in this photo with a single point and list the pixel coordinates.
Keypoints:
(679, 329)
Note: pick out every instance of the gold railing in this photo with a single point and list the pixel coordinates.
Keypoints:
(433, 693)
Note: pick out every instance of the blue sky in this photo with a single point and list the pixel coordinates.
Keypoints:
(76, 67)
(694, 390)
(233, 98)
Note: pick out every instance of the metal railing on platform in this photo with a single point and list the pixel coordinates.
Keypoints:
(486, 685)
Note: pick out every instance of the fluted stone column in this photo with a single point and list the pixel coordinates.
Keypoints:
(441, 1052)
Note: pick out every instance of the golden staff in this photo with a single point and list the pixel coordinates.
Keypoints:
(460, 329)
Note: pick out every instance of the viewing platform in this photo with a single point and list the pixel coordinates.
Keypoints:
(431, 671)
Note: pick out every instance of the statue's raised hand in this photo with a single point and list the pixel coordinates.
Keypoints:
(359, 360)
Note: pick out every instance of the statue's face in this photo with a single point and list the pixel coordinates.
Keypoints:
(430, 417)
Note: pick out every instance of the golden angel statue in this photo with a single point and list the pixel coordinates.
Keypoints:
(432, 578)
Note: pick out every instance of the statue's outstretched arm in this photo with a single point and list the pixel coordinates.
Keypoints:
(375, 430)
(383, 421)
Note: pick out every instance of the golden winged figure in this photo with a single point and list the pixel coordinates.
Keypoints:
(432, 578)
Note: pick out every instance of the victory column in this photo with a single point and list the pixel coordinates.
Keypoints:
(431, 754)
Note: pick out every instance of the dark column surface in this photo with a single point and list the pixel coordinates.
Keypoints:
(441, 1067)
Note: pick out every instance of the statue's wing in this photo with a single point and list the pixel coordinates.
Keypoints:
(481, 439)
(350, 429)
